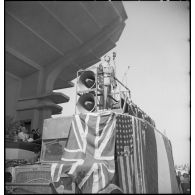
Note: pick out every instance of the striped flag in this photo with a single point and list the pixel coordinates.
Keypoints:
(154, 166)
(124, 152)
(140, 176)
(89, 154)
(144, 158)
(166, 172)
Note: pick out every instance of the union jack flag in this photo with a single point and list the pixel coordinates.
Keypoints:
(89, 154)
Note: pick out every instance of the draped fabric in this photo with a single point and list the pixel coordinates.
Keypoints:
(89, 154)
(174, 184)
(143, 155)
(124, 152)
(149, 157)
(144, 165)
(154, 165)
(167, 182)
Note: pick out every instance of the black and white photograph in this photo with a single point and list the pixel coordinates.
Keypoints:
(97, 97)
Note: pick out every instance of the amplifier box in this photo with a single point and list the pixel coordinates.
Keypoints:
(54, 138)
(32, 179)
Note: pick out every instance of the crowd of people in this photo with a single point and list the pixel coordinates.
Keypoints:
(183, 181)
(22, 134)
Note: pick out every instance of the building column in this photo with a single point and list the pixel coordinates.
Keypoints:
(44, 114)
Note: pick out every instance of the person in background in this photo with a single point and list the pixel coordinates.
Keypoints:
(19, 129)
(178, 176)
(185, 184)
(30, 139)
(23, 134)
(36, 134)
(15, 136)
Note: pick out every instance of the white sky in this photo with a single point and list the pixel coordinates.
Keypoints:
(155, 45)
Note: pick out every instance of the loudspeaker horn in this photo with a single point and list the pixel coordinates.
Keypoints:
(86, 80)
(86, 103)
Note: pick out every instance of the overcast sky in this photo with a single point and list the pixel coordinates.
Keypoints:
(155, 45)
